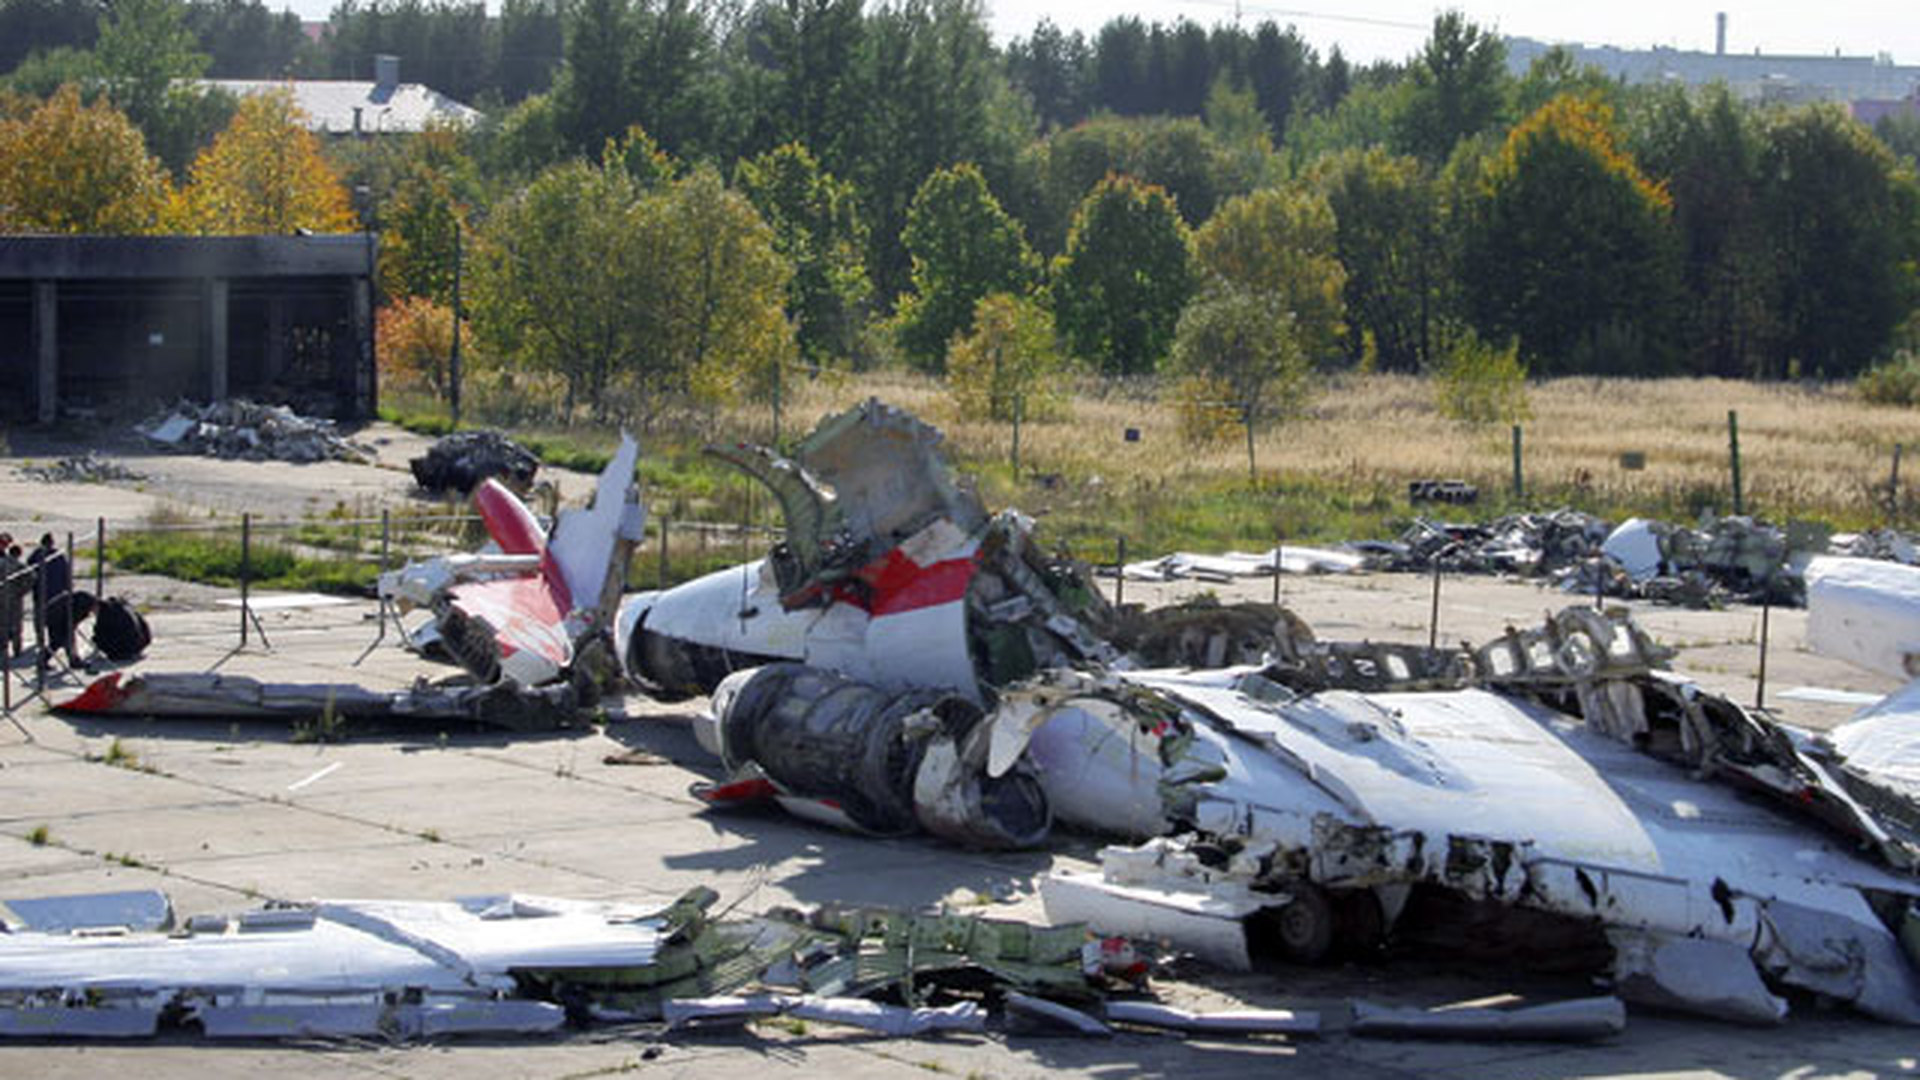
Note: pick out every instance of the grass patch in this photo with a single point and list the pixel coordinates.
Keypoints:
(1338, 470)
(216, 560)
(39, 836)
(119, 756)
(420, 421)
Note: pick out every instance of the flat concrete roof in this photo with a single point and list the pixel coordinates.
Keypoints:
(46, 258)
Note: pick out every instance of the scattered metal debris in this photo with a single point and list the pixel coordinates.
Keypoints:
(1330, 810)
(237, 697)
(460, 461)
(238, 428)
(1183, 565)
(86, 468)
(1326, 791)
(1561, 1021)
(891, 572)
(120, 966)
(1456, 492)
(532, 626)
(1725, 559)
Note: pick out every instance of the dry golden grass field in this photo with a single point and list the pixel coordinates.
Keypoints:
(1340, 470)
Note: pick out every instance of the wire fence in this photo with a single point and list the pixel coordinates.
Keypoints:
(238, 556)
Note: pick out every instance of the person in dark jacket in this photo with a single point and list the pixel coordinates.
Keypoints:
(14, 584)
(56, 606)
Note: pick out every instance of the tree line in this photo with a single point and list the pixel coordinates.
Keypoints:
(881, 183)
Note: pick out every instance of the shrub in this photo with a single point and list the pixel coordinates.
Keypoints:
(1477, 383)
(1009, 358)
(415, 342)
(1895, 382)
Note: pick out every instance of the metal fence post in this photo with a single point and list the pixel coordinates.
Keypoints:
(1519, 478)
(246, 570)
(666, 526)
(1279, 553)
(66, 639)
(1733, 454)
(1433, 618)
(1766, 620)
(1120, 571)
(1019, 414)
(100, 559)
(1893, 488)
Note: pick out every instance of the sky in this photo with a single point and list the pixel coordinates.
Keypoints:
(1368, 30)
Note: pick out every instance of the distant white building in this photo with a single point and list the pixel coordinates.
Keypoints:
(385, 106)
(1753, 77)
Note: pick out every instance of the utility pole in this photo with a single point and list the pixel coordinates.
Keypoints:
(453, 359)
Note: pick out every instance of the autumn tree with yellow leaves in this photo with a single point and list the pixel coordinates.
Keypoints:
(264, 174)
(67, 167)
(1570, 248)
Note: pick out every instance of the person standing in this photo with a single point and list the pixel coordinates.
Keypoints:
(13, 592)
(52, 604)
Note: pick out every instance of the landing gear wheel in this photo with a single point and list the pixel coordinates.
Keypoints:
(1305, 926)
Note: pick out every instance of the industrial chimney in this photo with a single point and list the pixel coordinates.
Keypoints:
(1720, 34)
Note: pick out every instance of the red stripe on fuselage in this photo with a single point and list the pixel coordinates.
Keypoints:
(897, 584)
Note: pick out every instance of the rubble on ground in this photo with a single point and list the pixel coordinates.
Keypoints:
(122, 965)
(87, 468)
(1729, 559)
(250, 431)
(460, 461)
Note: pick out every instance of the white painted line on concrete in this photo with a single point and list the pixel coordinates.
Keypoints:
(298, 784)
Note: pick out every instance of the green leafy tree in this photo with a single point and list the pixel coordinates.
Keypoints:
(964, 247)
(1458, 87)
(1051, 68)
(593, 97)
(1385, 211)
(1480, 384)
(1282, 242)
(1569, 248)
(1126, 273)
(816, 226)
(1364, 118)
(423, 220)
(1553, 74)
(799, 79)
(1240, 348)
(1247, 156)
(1009, 367)
(684, 302)
(932, 96)
(72, 168)
(46, 71)
(150, 61)
(1707, 151)
(532, 306)
(1280, 68)
(718, 311)
(1182, 156)
(1844, 217)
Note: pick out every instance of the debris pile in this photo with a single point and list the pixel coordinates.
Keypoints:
(460, 461)
(250, 431)
(909, 579)
(87, 468)
(1525, 544)
(1886, 545)
(119, 965)
(1724, 559)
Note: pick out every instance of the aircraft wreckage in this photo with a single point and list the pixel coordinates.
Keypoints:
(905, 661)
